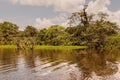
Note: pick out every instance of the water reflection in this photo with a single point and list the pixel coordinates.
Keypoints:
(8, 60)
(58, 65)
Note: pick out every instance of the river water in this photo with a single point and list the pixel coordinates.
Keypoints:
(58, 65)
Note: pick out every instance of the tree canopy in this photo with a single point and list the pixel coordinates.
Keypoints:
(8, 32)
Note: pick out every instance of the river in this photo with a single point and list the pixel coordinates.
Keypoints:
(58, 65)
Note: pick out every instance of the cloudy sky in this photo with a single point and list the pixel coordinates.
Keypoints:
(43, 13)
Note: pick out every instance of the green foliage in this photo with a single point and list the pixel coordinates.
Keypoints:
(8, 32)
(30, 31)
(41, 36)
(97, 33)
(113, 43)
(55, 35)
(92, 33)
(20, 34)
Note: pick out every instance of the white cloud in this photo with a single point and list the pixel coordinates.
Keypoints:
(65, 23)
(61, 19)
(102, 6)
(114, 17)
(58, 5)
(98, 5)
(68, 6)
(1, 20)
(42, 23)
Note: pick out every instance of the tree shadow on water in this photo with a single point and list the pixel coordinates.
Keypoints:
(94, 66)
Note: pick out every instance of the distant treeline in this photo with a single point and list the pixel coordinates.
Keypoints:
(86, 31)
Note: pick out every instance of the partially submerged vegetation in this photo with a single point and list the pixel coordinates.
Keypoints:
(86, 31)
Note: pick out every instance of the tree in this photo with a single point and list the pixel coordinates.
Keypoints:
(113, 44)
(8, 32)
(41, 36)
(30, 31)
(55, 35)
(92, 33)
(52, 33)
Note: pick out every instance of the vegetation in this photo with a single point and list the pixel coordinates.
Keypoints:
(8, 32)
(86, 31)
(92, 33)
(60, 47)
(113, 43)
(45, 47)
(8, 47)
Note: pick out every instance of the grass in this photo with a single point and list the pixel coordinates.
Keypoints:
(60, 47)
(8, 47)
(45, 47)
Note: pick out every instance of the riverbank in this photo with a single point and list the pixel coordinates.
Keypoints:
(44, 47)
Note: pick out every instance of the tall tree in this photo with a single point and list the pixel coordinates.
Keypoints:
(92, 32)
(55, 35)
(30, 31)
(8, 32)
(41, 36)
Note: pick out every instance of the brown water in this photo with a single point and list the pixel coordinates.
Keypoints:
(58, 65)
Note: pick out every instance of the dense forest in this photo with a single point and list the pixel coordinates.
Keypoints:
(84, 30)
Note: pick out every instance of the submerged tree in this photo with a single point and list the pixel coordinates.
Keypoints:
(92, 33)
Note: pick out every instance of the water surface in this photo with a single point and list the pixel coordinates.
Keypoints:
(58, 65)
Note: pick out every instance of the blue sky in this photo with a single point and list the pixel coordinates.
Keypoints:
(27, 14)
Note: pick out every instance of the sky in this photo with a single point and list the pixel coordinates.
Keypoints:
(43, 13)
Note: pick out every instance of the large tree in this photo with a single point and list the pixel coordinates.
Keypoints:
(8, 32)
(54, 35)
(90, 32)
(30, 31)
(41, 36)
